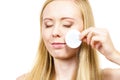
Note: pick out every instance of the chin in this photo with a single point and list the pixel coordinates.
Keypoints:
(63, 56)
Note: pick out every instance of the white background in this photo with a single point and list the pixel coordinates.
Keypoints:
(19, 32)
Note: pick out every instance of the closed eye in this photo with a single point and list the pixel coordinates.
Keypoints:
(48, 26)
(67, 23)
(68, 26)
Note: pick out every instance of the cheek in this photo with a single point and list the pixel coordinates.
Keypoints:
(45, 39)
(45, 31)
(45, 35)
(78, 27)
(81, 28)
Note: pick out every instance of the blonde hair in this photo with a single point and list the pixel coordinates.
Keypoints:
(88, 68)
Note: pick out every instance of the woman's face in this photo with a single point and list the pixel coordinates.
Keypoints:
(59, 17)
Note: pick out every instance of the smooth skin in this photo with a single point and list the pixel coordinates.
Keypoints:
(100, 39)
(54, 28)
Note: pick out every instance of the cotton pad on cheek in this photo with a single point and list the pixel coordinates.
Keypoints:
(72, 38)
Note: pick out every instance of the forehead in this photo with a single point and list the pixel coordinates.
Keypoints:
(59, 8)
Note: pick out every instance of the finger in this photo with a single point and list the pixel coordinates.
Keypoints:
(85, 33)
(96, 42)
(89, 36)
(84, 39)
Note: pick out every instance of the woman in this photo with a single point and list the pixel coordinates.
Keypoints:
(56, 61)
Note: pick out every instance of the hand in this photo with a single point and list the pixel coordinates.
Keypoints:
(99, 39)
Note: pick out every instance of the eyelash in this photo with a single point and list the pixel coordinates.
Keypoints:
(68, 26)
(47, 26)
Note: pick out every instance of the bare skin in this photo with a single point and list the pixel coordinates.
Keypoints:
(100, 39)
(111, 74)
(22, 77)
(54, 28)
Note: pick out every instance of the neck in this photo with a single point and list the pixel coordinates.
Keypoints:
(65, 69)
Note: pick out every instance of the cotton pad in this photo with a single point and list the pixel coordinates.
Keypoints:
(73, 38)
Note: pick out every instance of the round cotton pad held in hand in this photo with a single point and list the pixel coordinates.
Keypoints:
(73, 38)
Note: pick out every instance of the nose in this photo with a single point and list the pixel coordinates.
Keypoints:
(56, 32)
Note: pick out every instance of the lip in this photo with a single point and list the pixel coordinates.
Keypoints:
(58, 45)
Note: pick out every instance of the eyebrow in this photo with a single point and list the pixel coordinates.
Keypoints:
(47, 19)
(63, 18)
(67, 18)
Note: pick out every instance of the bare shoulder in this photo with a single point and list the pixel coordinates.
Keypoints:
(22, 77)
(111, 74)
